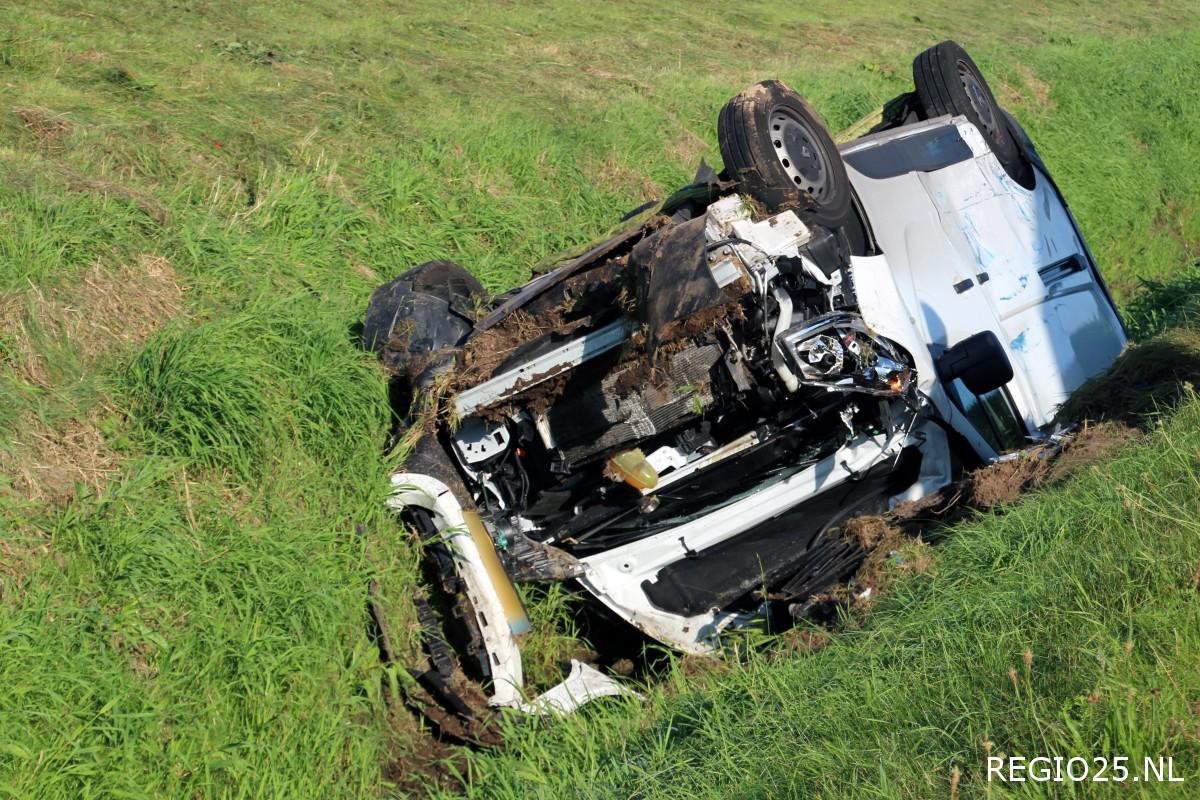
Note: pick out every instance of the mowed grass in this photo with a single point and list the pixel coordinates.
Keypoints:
(195, 202)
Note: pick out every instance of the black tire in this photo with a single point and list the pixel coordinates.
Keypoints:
(429, 308)
(948, 82)
(777, 148)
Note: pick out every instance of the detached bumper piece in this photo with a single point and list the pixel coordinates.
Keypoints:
(496, 617)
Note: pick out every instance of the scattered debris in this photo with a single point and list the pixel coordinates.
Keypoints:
(582, 684)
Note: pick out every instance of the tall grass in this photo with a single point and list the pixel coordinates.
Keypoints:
(238, 391)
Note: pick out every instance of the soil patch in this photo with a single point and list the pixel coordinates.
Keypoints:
(1004, 483)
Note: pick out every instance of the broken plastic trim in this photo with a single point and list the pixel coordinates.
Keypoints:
(488, 590)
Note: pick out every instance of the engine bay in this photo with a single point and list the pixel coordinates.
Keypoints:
(678, 373)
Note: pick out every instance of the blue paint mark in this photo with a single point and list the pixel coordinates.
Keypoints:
(983, 256)
(1018, 343)
(1024, 208)
(1022, 282)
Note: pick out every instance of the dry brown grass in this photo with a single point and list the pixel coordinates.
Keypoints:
(94, 313)
(1033, 93)
(82, 321)
(49, 128)
(614, 176)
(147, 203)
(687, 148)
(49, 462)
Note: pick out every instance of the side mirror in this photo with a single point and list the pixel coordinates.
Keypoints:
(979, 361)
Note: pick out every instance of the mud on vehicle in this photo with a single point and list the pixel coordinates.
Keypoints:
(680, 419)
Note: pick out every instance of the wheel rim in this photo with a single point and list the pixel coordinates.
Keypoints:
(799, 154)
(977, 96)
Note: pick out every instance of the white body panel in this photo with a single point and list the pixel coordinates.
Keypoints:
(411, 489)
(968, 222)
(582, 685)
(615, 576)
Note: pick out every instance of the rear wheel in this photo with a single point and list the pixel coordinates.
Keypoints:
(777, 148)
(948, 82)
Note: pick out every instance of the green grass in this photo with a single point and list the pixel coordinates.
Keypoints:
(191, 622)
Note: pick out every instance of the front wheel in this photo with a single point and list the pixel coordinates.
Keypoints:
(425, 311)
(777, 148)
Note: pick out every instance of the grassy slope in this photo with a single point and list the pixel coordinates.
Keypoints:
(191, 623)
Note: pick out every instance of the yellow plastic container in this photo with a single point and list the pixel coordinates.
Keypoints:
(632, 467)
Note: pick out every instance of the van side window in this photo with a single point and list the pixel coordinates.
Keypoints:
(992, 414)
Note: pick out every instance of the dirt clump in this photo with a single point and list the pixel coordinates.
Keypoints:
(1004, 482)
(418, 763)
(484, 353)
(1095, 442)
(871, 531)
(699, 323)
(878, 536)
(801, 642)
